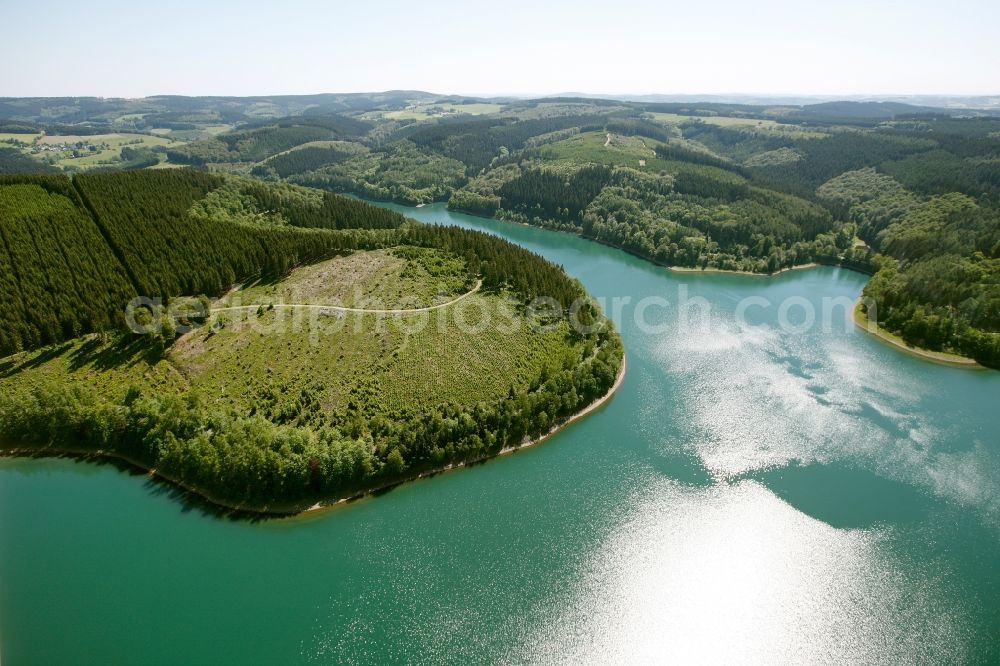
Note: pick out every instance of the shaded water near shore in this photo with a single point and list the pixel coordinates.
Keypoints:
(751, 493)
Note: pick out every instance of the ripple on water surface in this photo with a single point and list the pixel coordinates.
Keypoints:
(731, 574)
(757, 398)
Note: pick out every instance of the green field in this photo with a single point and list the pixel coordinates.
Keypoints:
(398, 278)
(105, 364)
(92, 150)
(597, 148)
(296, 364)
(203, 132)
(722, 121)
(741, 123)
(437, 110)
(346, 146)
(387, 364)
(23, 138)
(555, 109)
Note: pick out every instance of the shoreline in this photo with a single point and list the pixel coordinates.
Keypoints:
(554, 430)
(279, 510)
(859, 319)
(632, 253)
(726, 271)
(943, 358)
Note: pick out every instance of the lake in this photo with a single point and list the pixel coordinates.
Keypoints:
(769, 484)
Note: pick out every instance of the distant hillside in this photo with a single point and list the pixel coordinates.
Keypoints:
(878, 110)
(97, 110)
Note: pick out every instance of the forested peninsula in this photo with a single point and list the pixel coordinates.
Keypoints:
(223, 395)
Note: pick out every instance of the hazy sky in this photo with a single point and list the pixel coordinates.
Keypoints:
(246, 47)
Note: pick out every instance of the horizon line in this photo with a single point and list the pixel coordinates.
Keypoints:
(527, 96)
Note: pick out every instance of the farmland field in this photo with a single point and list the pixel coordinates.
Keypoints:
(24, 138)
(741, 123)
(202, 132)
(556, 109)
(91, 150)
(424, 111)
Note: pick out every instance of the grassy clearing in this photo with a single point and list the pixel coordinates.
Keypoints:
(595, 147)
(436, 110)
(774, 126)
(7, 137)
(722, 121)
(526, 111)
(107, 364)
(346, 146)
(629, 151)
(283, 363)
(203, 132)
(773, 157)
(399, 278)
(297, 363)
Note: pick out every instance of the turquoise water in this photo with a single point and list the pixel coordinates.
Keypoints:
(754, 492)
